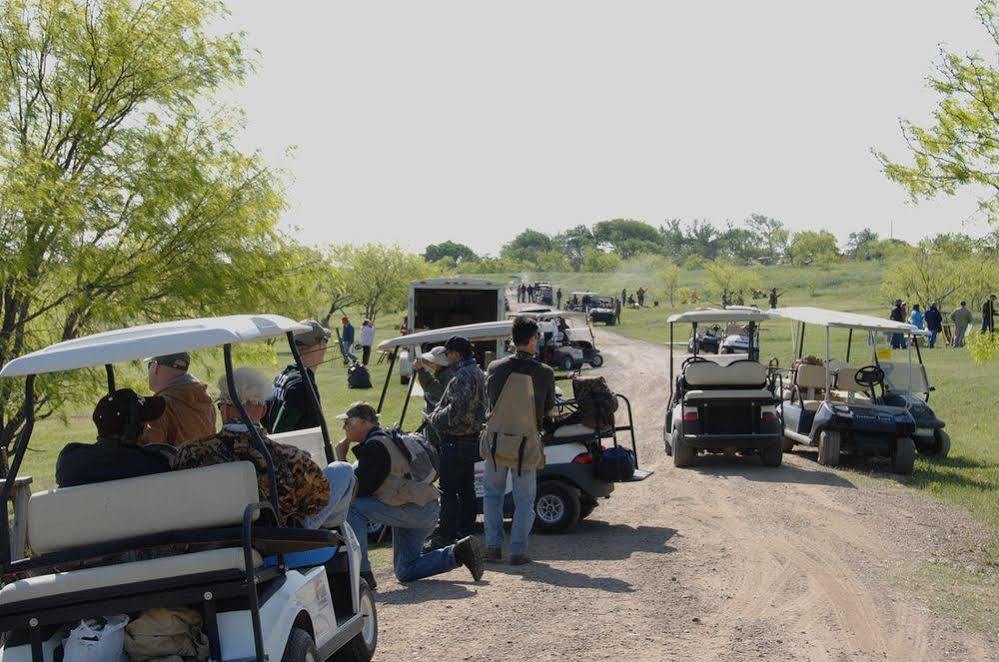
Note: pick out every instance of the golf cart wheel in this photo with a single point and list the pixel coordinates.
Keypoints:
(683, 455)
(942, 445)
(362, 647)
(829, 448)
(904, 456)
(787, 444)
(557, 507)
(597, 360)
(667, 435)
(772, 456)
(300, 647)
(566, 363)
(586, 508)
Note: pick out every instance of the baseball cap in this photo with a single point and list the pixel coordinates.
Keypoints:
(178, 361)
(112, 411)
(361, 410)
(437, 356)
(316, 333)
(458, 344)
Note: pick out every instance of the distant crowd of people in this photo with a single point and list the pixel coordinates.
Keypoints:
(932, 321)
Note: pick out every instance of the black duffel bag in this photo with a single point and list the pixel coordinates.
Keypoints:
(616, 464)
(358, 377)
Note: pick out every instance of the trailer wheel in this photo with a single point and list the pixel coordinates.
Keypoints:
(362, 647)
(772, 456)
(300, 647)
(596, 360)
(943, 443)
(904, 456)
(683, 455)
(556, 507)
(829, 448)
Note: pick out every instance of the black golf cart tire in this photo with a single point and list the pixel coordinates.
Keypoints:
(829, 448)
(596, 361)
(299, 647)
(667, 436)
(942, 440)
(358, 650)
(904, 457)
(567, 364)
(586, 508)
(772, 456)
(787, 444)
(569, 498)
(683, 455)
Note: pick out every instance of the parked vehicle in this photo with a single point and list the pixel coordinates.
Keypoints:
(571, 344)
(602, 310)
(544, 294)
(705, 341)
(571, 482)
(842, 407)
(723, 407)
(264, 590)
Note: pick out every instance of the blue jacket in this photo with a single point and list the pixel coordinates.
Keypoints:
(916, 319)
(934, 320)
(348, 333)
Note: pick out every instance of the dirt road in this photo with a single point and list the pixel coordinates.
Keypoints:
(726, 561)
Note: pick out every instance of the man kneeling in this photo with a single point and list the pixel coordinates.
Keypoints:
(386, 495)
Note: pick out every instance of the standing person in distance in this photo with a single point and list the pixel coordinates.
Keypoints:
(989, 315)
(511, 383)
(290, 407)
(962, 319)
(934, 323)
(897, 314)
(347, 340)
(367, 340)
(558, 298)
(433, 372)
(916, 317)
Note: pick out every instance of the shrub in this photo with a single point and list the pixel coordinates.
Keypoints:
(984, 347)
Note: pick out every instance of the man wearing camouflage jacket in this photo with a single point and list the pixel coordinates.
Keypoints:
(458, 420)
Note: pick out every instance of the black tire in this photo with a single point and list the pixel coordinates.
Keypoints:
(586, 507)
(683, 455)
(362, 647)
(667, 436)
(829, 448)
(596, 360)
(556, 507)
(787, 445)
(904, 456)
(942, 444)
(772, 456)
(403, 379)
(566, 363)
(300, 647)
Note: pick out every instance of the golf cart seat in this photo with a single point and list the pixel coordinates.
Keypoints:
(707, 375)
(573, 431)
(729, 394)
(808, 385)
(309, 440)
(207, 505)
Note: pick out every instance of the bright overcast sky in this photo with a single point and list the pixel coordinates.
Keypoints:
(417, 122)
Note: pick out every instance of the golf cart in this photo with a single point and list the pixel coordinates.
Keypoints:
(736, 337)
(722, 406)
(574, 476)
(838, 406)
(602, 310)
(544, 293)
(568, 343)
(581, 301)
(264, 589)
(708, 340)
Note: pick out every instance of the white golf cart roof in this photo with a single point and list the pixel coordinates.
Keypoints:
(544, 313)
(711, 315)
(840, 320)
(481, 331)
(140, 342)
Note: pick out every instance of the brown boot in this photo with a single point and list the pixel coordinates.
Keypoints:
(519, 559)
(493, 554)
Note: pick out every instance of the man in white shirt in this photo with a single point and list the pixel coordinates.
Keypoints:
(367, 340)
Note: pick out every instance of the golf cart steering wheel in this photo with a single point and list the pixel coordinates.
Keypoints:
(869, 375)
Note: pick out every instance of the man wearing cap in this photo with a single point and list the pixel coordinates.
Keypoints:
(433, 372)
(458, 419)
(290, 405)
(119, 417)
(306, 493)
(189, 413)
(386, 495)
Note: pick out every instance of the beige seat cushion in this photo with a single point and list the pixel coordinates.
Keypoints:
(812, 405)
(62, 583)
(741, 373)
(729, 394)
(577, 430)
(212, 496)
(309, 440)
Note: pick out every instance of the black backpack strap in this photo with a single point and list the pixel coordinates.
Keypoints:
(520, 455)
(492, 448)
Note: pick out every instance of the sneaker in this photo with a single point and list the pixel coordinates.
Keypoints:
(369, 577)
(519, 559)
(469, 552)
(493, 554)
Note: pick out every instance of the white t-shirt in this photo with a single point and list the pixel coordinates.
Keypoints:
(367, 336)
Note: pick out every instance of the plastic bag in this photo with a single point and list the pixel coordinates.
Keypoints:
(97, 640)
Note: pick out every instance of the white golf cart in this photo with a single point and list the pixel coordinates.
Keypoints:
(569, 344)
(838, 406)
(264, 590)
(574, 477)
(723, 404)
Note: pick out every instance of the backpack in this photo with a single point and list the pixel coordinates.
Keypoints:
(424, 463)
(595, 401)
(616, 464)
(358, 377)
(510, 438)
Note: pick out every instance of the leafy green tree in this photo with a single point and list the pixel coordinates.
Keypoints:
(811, 247)
(955, 245)
(597, 261)
(553, 261)
(460, 253)
(574, 243)
(627, 237)
(772, 235)
(527, 246)
(740, 244)
(727, 279)
(123, 194)
(377, 277)
(960, 150)
(859, 244)
(928, 276)
(670, 276)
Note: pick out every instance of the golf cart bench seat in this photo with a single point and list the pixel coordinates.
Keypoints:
(309, 440)
(173, 568)
(730, 394)
(739, 373)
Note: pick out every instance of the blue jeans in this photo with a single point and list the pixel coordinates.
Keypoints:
(340, 476)
(458, 502)
(525, 488)
(411, 526)
(347, 354)
(933, 339)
